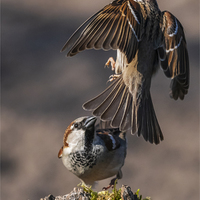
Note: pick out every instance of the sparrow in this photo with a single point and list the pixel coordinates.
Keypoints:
(92, 152)
(145, 38)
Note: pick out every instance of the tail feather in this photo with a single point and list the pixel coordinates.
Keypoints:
(142, 117)
(147, 122)
(119, 112)
(134, 119)
(150, 123)
(125, 111)
(96, 101)
(109, 99)
(125, 123)
(114, 104)
(156, 131)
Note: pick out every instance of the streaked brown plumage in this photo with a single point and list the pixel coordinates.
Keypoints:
(145, 38)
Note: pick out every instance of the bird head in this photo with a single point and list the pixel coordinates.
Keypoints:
(78, 135)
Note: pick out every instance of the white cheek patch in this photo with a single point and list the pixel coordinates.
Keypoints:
(66, 151)
(72, 126)
(75, 137)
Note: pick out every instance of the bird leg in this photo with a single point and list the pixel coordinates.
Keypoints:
(111, 185)
(112, 62)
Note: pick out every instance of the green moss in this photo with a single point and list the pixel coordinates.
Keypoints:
(140, 196)
(114, 195)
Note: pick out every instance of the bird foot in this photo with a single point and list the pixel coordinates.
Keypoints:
(112, 62)
(111, 185)
(113, 77)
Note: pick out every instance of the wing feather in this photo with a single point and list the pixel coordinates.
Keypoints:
(117, 26)
(173, 55)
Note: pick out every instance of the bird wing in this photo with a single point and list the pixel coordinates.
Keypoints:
(110, 138)
(119, 25)
(173, 55)
(104, 125)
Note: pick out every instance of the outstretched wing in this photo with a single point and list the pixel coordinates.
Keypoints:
(173, 55)
(119, 25)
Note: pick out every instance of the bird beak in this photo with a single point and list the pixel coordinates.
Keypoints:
(60, 153)
(90, 121)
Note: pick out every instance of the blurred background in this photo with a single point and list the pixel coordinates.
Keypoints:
(43, 91)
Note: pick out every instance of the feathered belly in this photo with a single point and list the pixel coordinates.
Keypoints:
(107, 166)
(121, 62)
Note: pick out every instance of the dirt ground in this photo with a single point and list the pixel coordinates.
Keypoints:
(42, 91)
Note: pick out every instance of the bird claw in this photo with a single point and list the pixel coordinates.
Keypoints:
(111, 185)
(113, 77)
(112, 62)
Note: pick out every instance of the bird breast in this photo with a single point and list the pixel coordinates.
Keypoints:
(121, 62)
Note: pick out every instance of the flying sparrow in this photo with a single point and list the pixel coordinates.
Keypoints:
(93, 153)
(145, 38)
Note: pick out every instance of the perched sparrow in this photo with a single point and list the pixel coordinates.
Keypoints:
(92, 153)
(145, 38)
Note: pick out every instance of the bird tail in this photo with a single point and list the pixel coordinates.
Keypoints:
(127, 111)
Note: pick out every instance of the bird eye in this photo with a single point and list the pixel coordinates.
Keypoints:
(76, 125)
